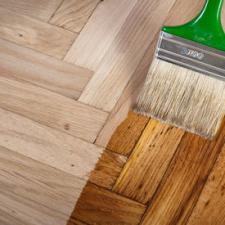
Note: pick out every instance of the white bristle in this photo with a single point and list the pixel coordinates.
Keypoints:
(183, 98)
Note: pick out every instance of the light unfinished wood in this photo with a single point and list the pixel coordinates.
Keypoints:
(35, 34)
(35, 193)
(51, 109)
(148, 162)
(99, 206)
(97, 36)
(210, 207)
(128, 98)
(47, 145)
(183, 181)
(108, 169)
(41, 9)
(127, 134)
(109, 81)
(25, 64)
(74, 14)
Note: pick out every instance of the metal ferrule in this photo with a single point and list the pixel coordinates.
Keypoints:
(191, 55)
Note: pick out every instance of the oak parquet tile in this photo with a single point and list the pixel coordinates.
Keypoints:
(35, 193)
(184, 180)
(108, 169)
(99, 206)
(210, 206)
(74, 14)
(51, 109)
(148, 162)
(41, 9)
(47, 72)
(97, 36)
(35, 34)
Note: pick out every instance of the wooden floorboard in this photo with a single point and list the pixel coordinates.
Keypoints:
(99, 206)
(72, 152)
(35, 34)
(51, 109)
(74, 14)
(41, 9)
(47, 72)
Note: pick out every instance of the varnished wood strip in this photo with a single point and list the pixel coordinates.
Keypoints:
(183, 180)
(41, 9)
(110, 79)
(44, 71)
(51, 109)
(97, 36)
(32, 33)
(210, 208)
(32, 193)
(148, 162)
(74, 14)
(127, 99)
(108, 169)
(99, 206)
(75, 222)
(47, 145)
(127, 134)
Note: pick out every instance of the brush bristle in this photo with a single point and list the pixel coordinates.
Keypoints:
(183, 98)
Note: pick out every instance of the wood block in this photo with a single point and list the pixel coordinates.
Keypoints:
(41, 9)
(32, 33)
(102, 27)
(127, 99)
(51, 109)
(148, 162)
(127, 134)
(25, 64)
(33, 193)
(183, 181)
(125, 53)
(99, 206)
(107, 169)
(75, 222)
(74, 14)
(47, 145)
(210, 207)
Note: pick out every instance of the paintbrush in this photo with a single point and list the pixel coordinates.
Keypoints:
(185, 86)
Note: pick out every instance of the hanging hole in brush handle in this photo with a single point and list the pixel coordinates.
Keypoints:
(205, 29)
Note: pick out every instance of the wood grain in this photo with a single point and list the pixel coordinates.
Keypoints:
(25, 64)
(107, 169)
(210, 207)
(74, 14)
(102, 27)
(127, 99)
(109, 81)
(148, 162)
(47, 145)
(51, 109)
(183, 180)
(41, 9)
(32, 33)
(127, 134)
(35, 193)
(75, 222)
(99, 206)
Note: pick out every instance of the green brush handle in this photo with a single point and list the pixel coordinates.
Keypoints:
(205, 29)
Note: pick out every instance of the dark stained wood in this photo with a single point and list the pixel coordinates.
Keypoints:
(148, 162)
(127, 134)
(108, 169)
(184, 180)
(102, 207)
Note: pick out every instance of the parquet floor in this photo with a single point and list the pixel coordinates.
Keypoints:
(70, 71)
